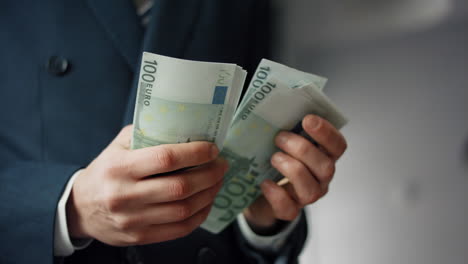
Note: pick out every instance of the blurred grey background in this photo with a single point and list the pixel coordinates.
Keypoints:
(399, 70)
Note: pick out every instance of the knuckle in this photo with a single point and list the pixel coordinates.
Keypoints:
(288, 215)
(191, 224)
(136, 238)
(345, 145)
(302, 148)
(115, 167)
(218, 172)
(126, 167)
(274, 199)
(123, 223)
(114, 199)
(184, 230)
(316, 196)
(328, 171)
(325, 133)
(113, 203)
(296, 168)
(293, 215)
(329, 138)
(325, 191)
(112, 169)
(203, 150)
(182, 211)
(166, 158)
(214, 190)
(196, 221)
(180, 188)
(312, 197)
(127, 129)
(204, 216)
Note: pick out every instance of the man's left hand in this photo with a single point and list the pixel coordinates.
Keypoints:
(308, 168)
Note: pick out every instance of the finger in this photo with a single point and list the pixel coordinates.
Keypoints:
(321, 165)
(284, 207)
(122, 140)
(170, 212)
(165, 232)
(169, 157)
(180, 186)
(324, 189)
(326, 135)
(290, 189)
(292, 192)
(304, 183)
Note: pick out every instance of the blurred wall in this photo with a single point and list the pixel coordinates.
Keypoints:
(400, 194)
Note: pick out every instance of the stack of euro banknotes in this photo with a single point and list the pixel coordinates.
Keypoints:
(181, 101)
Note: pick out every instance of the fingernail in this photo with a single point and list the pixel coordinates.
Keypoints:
(214, 151)
(282, 138)
(313, 122)
(277, 158)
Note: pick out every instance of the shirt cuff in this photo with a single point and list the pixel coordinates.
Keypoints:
(265, 243)
(63, 245)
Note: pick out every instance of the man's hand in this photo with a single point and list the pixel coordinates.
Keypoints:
(308, 168)
(113, 200)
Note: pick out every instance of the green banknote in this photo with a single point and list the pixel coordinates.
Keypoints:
(274, 106)
(176, 122)
(290, 76)
(182, 101)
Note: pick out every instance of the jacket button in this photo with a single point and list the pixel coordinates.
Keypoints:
(206, 255)
(57, 65)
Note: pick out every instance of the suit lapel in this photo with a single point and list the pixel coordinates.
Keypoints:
(121, 23)
(169, 33)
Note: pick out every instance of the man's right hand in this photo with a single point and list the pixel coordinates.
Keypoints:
(113, 200)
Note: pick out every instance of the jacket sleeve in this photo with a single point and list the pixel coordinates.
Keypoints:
(29, 193)
(288, 254)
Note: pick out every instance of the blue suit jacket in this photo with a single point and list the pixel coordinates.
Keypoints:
(67, 87)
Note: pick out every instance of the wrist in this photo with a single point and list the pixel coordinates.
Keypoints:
(264, 225)
(76, 228)
(269, 230)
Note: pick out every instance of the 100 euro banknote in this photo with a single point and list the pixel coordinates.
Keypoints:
(182, 101)
(273, 106)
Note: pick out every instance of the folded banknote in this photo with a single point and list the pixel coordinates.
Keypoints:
(278, 103)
